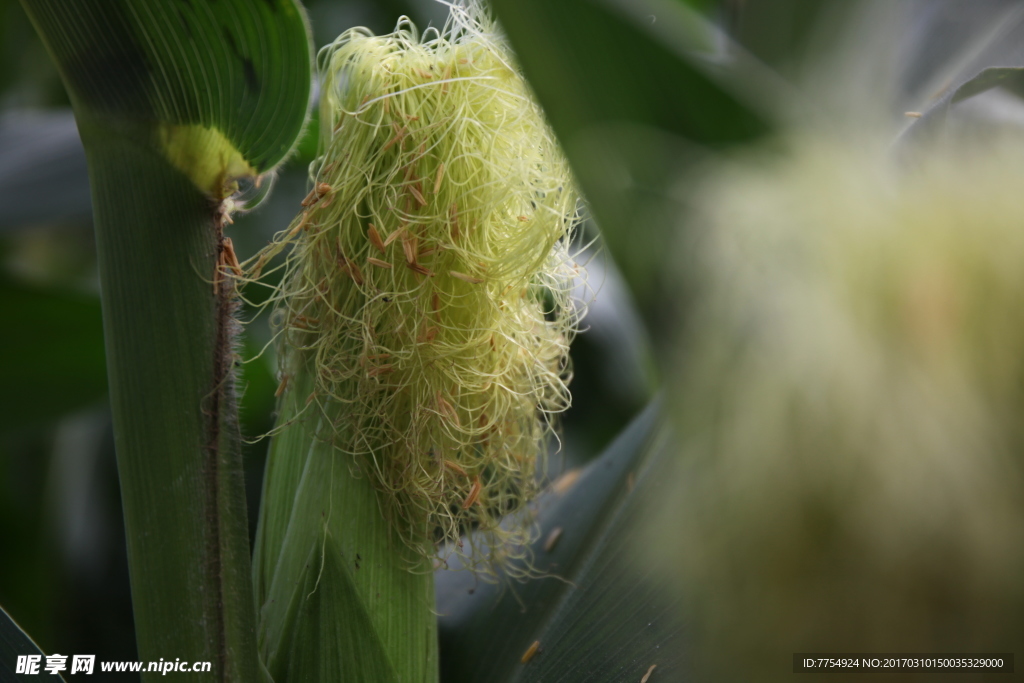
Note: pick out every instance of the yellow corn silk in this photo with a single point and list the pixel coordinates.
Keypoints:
(430, 276)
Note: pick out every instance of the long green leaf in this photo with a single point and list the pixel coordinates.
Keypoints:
(173, 100)
(600, 615)
(340, 597)
(630, 102)
(14, 643)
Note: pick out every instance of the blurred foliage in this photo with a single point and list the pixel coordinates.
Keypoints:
(28, 77)
(59, 347)
(778, 32)
(847, 408)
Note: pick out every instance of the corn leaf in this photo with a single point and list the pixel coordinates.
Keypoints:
(600, 615)
(173, 101)
(14, 643)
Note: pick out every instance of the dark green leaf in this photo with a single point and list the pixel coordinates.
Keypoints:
(600, 615)
(15, 642)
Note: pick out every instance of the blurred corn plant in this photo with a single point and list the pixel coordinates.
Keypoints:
(848, 474)
(829, 284)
